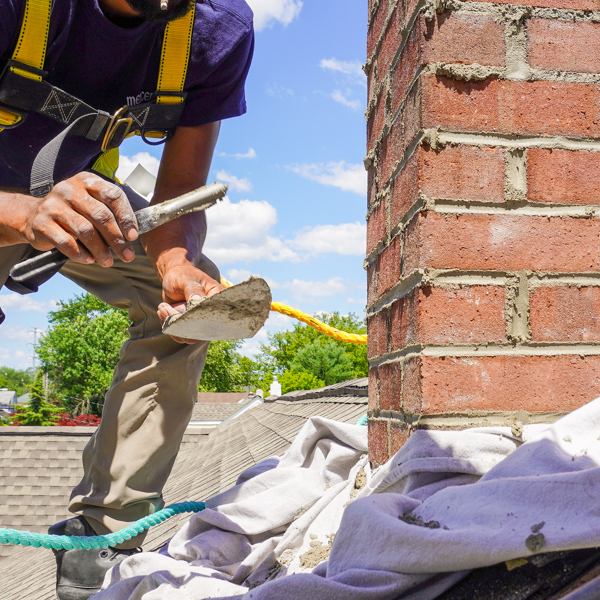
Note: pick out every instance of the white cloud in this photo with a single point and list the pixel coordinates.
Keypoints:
(348, 239)
(238, 275)
(347, 177)
(278, 91)
(269, 12)
(339, 97)
(250, 154)
(305, 291)
(25, 303)
(128, 163)
(352, 69)
(236, 184)
(9, 332)
(240, 231)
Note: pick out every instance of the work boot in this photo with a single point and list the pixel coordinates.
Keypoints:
(80, 573)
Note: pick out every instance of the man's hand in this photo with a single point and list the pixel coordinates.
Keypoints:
(84, 217)
(181, 283)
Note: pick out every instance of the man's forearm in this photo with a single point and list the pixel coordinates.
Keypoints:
(176, 243)
(15, 209)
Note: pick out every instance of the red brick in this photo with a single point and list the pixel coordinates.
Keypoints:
(373, 389)
(574, 4)
(463, 172)
(501, 242)
(466, 315)
(372, 281)
(372, 188)
(463, 39)
(435, 315)
(378, 326)
(563, 176)
(564, 45)
(389, 266)
(376, 226)
(390, 386)
(399, 434)
(509, 383)
(376, 26)
(534, 107)
(391, 41)
(407, 67)
(405, 189)
(378, 441)
(453, 172)
(390, 153)
(376, 121)
(404, 325)
(412, 114)
(565, 314)
(411, 387)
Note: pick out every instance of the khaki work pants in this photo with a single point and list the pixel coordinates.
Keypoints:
(149, 404)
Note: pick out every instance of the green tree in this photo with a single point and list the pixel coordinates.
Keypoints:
(223, 371)
(284, 352)
(12, 379)
(299, 380)
(80, 351)
(38, 411)
(328, 362)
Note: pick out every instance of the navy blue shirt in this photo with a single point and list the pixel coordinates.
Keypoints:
(109, 66)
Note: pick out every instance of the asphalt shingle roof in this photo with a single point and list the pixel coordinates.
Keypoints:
(40, 467)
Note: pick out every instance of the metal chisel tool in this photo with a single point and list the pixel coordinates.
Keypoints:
(30, 273)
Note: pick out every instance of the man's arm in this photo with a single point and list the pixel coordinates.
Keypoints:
(174, 247)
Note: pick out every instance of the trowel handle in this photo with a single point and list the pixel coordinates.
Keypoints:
(36, 268)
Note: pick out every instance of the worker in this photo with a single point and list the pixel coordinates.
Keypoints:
(77, 80)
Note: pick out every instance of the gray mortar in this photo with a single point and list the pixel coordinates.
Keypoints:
(486, 139)
(578, 280)
(549, 349)
(468, 418)
(458, 72)
(517, 309)
(515, 179)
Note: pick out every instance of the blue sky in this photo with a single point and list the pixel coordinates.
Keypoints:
(297, 187)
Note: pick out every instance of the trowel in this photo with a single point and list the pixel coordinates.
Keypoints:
(235, 313)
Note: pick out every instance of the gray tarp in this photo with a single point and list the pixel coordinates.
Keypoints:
(467, 499)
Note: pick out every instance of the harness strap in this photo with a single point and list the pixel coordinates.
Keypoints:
(174, 58)
(33, 38)
(42, 171)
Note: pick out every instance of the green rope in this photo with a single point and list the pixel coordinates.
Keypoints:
(67, 542)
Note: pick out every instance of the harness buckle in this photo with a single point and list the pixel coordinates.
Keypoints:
(11, 117)
(117, 129)
(23, 70)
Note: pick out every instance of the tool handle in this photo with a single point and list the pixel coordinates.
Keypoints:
(32, 268)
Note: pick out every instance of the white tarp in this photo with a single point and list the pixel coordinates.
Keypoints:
(467, 499)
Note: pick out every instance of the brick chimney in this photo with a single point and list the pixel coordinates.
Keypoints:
(483, 249)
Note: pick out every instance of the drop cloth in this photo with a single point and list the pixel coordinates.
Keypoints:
(318, 524)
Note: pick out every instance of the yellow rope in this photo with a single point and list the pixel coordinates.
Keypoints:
(353, 338)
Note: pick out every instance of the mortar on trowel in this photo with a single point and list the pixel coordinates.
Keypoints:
(235, 313)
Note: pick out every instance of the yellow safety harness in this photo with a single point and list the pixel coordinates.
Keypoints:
(23, 89)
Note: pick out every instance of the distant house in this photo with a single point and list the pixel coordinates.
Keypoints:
(221, 397)
(217, 408)
(8, 399)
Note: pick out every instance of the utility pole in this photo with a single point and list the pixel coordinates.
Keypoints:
(35, 331)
